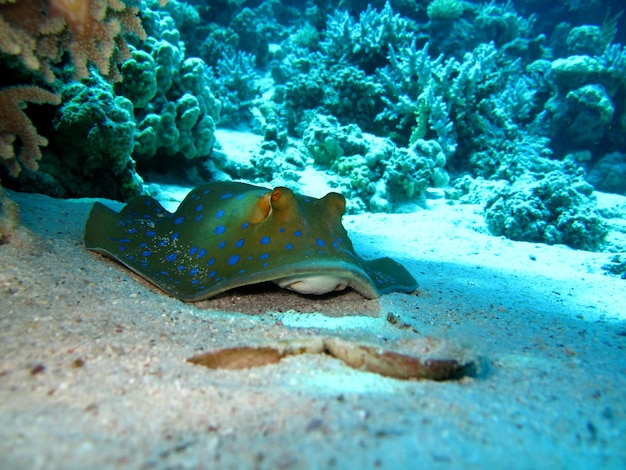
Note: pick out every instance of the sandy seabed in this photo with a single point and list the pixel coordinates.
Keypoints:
(93, 370)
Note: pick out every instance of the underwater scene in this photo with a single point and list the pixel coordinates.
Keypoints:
(312, 234)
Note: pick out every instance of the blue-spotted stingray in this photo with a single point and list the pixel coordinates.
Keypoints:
(226, 235)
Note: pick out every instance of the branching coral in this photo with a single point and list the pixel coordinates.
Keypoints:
(367, 42)
(38, 31)
(14, 123)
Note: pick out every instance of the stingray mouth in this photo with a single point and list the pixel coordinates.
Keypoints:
(313, 284)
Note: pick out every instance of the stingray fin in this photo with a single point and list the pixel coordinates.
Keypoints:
(389, 276)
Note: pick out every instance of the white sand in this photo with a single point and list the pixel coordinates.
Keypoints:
(93, 370)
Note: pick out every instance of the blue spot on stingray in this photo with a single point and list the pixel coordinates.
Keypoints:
(181, 267)
(178, 220)
(113, 239)
(221, 245)
(220, 214)
(148, 202)
(199, 218)
(288, 246)
(163, 243)
(335, 244)
(174, 235)
(194, 281)
(192, 250)
(320, 242)
(206, 191)
(212, 273)
(249, 258)
(307, 199)
(132, 230)
(164, 273)
(211, 262)
(297, 233)
(226, 196)
(124, 240)
(233, 260)
(146, 253)
(265, 240)
(281, 230)
(245, 225)
(340, 240)
(171, 257)
(239, 196)
(219, 229)
(240, 243)
(121, 223)
(242, 271)
(265, 265)
(264, 256)
(121, 248)
(130, 257)
(199, 207)
(193, 271)
(150, 233)
(202, 252)
(143, 245)
(147, 216)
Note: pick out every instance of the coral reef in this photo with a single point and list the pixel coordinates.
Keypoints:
(94, 128)
(174, 109)
(555, 209)
(36, 34)
(390, 99)
(445, 9)
(379, 176)
(14, 123)
(39, 31)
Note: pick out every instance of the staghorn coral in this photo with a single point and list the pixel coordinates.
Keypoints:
(38, 31)
(15, 123)
(366, 43)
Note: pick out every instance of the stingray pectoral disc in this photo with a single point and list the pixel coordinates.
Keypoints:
(225, 235)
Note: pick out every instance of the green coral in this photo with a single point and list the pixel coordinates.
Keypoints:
(585, 116)
(175, 110)
(94, 136)
(377, 175)
(140, 79)
(586, 40)
(555, 210)
(445, 9)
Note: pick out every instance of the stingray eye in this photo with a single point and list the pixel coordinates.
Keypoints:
(276, 195)
(262, 209)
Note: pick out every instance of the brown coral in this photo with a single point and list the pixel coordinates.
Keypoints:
(14, 123)
(38, 31)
